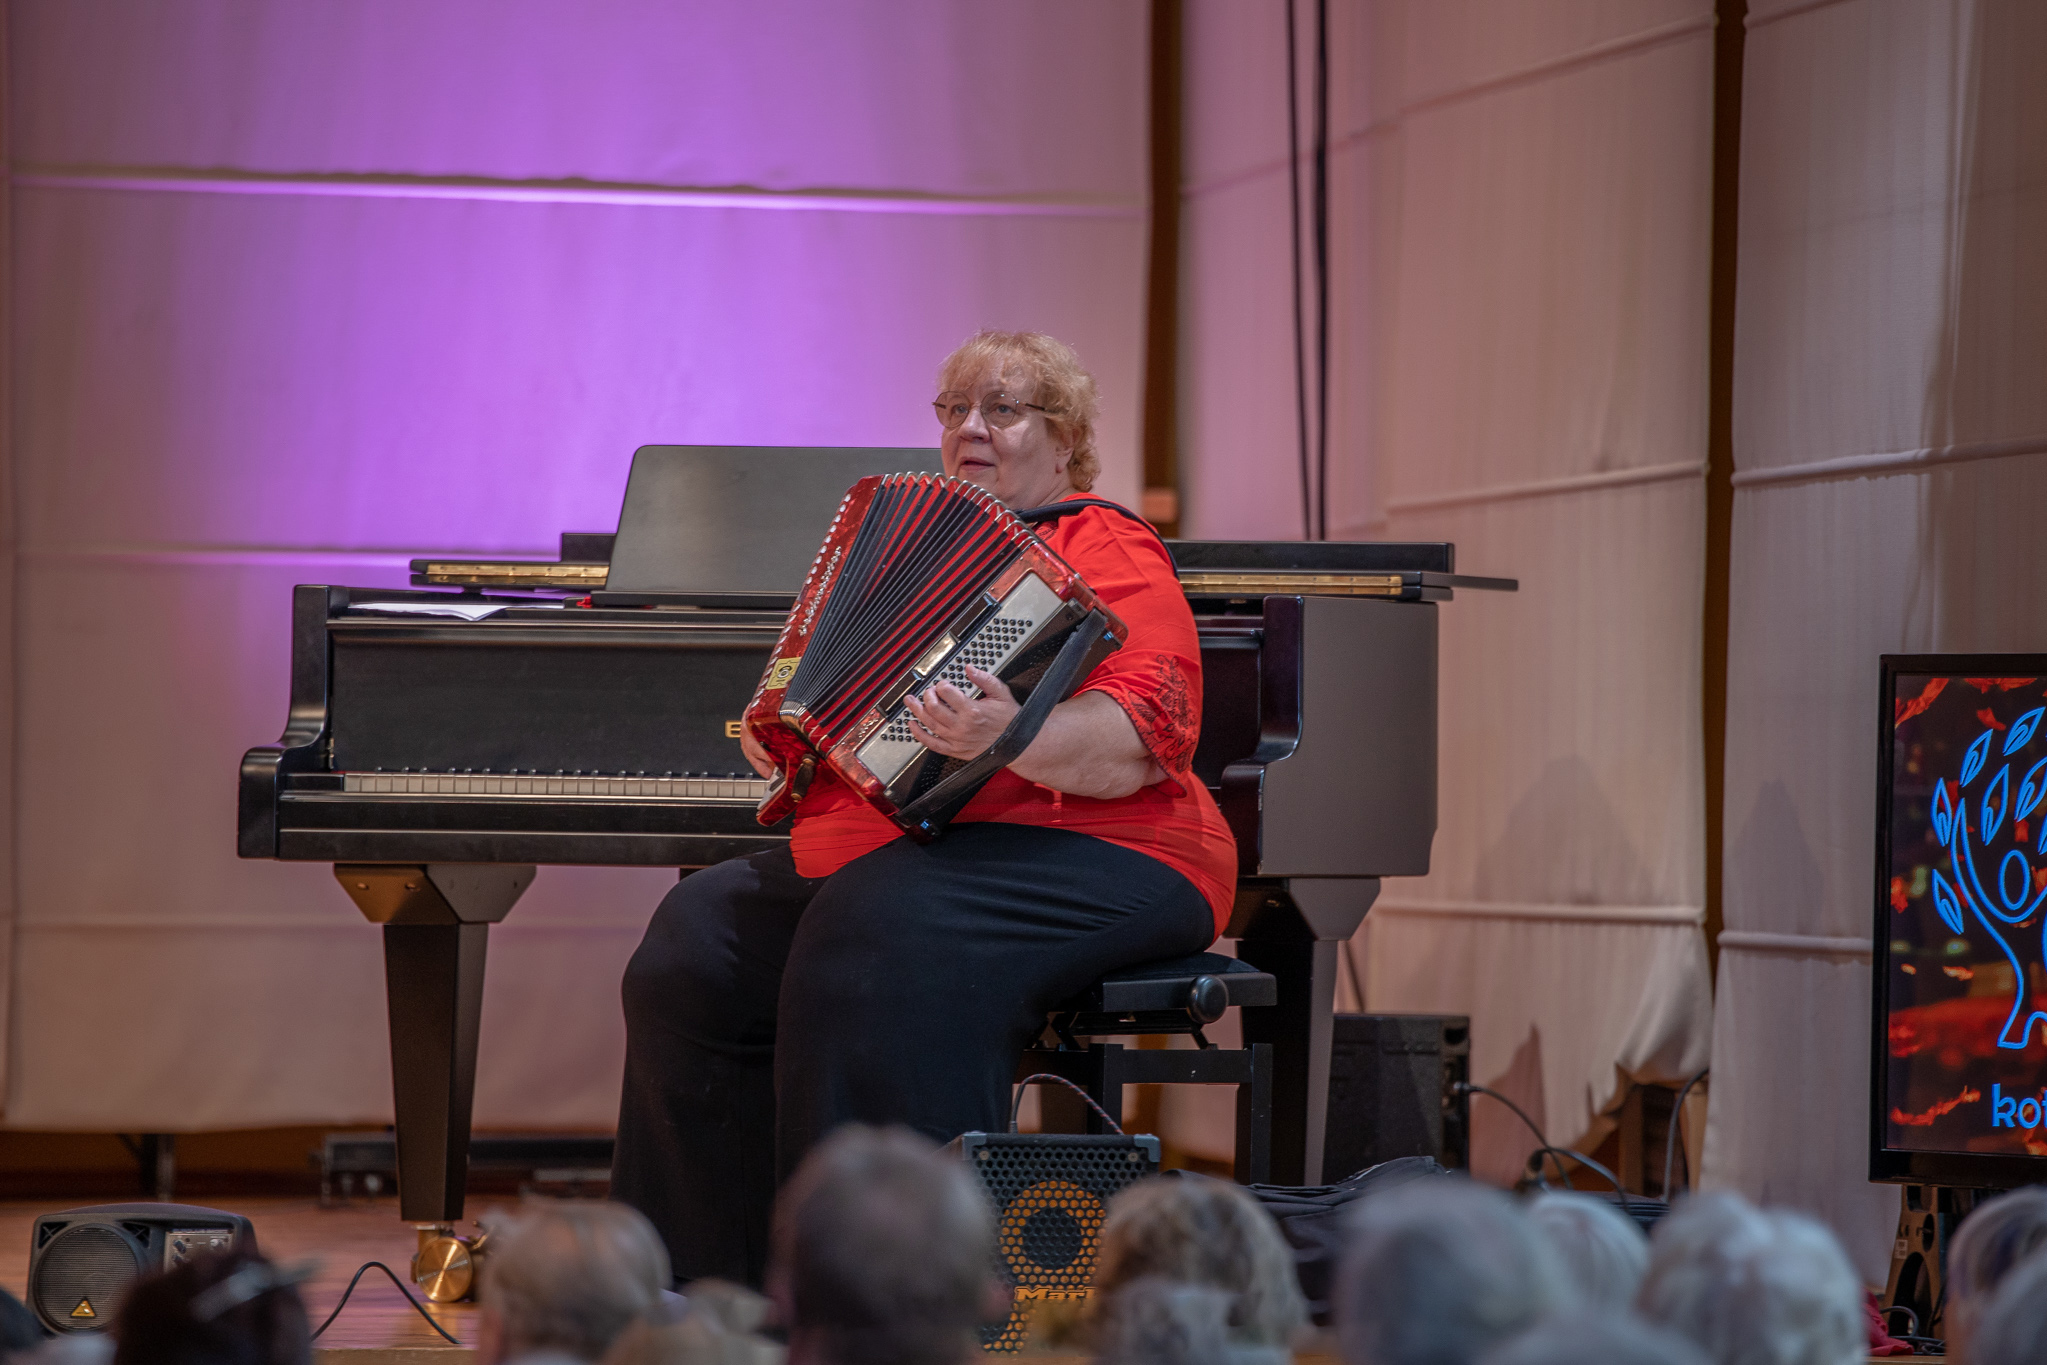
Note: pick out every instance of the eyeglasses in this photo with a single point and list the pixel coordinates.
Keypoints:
(998, 409)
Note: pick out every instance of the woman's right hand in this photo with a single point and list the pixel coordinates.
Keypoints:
(755, 755)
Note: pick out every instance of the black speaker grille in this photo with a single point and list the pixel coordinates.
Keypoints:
(81, 1274)
(1051, 1193)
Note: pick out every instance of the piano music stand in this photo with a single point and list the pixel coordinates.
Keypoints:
(733, 526)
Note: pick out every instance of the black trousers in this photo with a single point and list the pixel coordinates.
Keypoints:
(763, 1009)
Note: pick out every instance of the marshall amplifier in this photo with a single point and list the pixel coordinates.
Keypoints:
(1051, 1192)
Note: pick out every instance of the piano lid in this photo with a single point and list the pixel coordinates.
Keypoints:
(733, 526)
(1409, 570)
(1314, 556)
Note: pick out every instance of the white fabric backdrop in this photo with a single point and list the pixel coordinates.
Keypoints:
(1891, 454)
(301, 291)
(1519, 323)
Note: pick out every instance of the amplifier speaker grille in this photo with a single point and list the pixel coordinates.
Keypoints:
(82, 1273)
(1051, 1193)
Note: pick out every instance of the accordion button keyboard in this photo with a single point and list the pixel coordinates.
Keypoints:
(892, 748)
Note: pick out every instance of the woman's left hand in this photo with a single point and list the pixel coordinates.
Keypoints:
(948, 721)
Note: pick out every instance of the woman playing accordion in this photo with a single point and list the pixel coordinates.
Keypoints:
(862, 976)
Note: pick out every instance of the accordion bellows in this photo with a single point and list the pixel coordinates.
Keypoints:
(919, 576)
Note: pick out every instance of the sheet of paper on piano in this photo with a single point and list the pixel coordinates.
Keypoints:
(467, 611)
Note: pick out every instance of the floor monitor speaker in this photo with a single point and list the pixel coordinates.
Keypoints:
(1051, 1192)
(1394, 1091)
(82, 1261)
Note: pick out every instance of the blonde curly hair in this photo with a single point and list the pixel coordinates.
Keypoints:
(1196, 1231)
(1062, 386)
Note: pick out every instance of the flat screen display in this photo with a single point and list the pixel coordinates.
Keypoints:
(1961, 965)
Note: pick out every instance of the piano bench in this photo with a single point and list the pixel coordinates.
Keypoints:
(1173, 995)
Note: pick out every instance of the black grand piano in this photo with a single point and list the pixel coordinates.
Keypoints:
(443, 741)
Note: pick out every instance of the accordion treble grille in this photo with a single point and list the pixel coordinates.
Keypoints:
(920, 577)
(923, 552)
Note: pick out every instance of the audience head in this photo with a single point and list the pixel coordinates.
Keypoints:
(1195, 1231)
(1602, 1249)
(2011, 1327)
(221, 1308)
(1754, 1287)
(883, 1253)
(712, 1323)
(1156, 1321)
(1993, 1239)
(1599, 1337)
(19, 1330)
(565, 1277)
(1441, 1271)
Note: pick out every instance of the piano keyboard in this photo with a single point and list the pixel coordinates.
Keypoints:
(506, 784)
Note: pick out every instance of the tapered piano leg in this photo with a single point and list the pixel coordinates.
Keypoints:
(433, 979)
(436, 928)
(1295, 930)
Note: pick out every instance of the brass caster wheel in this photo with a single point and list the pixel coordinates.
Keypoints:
(444, 1268)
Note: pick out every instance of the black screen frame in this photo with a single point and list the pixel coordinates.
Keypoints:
(1968, 1170)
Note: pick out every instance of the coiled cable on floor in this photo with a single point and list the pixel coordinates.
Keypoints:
(449, 1337)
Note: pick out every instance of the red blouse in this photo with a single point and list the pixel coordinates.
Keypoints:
(1155, 678)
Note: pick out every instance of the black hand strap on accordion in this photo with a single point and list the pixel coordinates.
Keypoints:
(926, 816)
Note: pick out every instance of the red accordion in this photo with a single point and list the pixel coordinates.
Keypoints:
(919, 576)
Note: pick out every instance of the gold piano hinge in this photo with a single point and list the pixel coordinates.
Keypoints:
(504, 574)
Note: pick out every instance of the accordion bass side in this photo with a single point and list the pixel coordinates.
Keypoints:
(919, 576)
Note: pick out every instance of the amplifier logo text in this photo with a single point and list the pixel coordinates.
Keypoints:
(2009, 1111)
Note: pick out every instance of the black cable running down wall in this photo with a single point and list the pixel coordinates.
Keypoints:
(1321, 269)
(1293, 180)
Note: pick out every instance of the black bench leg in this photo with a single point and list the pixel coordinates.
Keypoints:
(1106, 1085)
(1059, 1109)
(1254, 1120)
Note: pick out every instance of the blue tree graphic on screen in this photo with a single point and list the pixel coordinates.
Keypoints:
(1980, 819)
